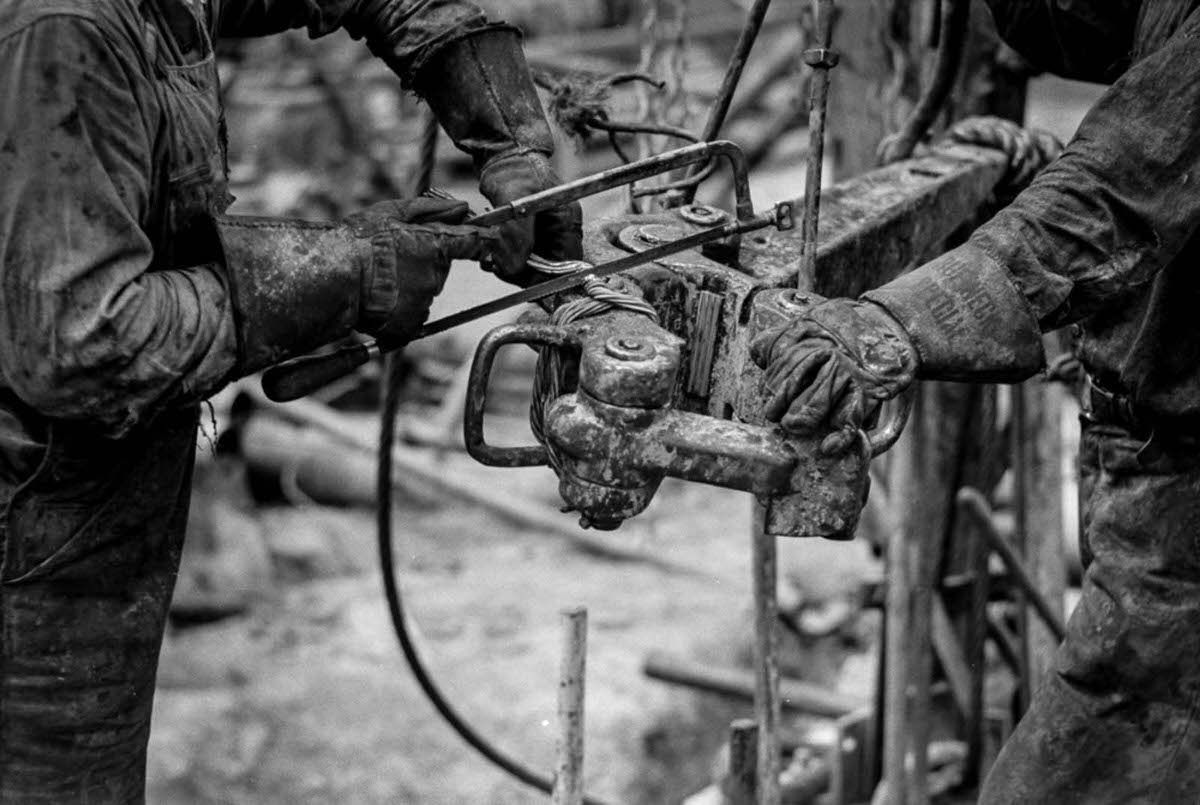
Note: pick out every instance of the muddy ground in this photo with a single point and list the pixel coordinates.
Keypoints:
(305, 697)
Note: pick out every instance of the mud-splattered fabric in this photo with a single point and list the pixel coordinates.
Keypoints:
(405, 33)
(115, 320)
(1105, 237)
(1116, 721)
(113, 323)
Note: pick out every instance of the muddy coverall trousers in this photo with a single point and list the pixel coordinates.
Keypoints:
(1115, 722)
(91, 526)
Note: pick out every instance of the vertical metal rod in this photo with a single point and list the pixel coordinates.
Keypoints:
(1044, 556)
(740, 788)
(766, 669)
(898, 635)
(1020, 468)
(733, 75)
(920, 658)
(568, 770)
(821, 59)
(880, 698)
(976, 654)
(920, 521)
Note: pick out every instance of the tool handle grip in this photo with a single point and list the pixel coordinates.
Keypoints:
(879, 441)
(537, 334)
(301, 376)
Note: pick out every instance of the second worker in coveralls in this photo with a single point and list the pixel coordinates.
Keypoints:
(1107, 239)
(127, 296)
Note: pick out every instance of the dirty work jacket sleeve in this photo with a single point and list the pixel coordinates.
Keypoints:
(1120, 203)
(1081, 39)
(406, 32)
(87, 330)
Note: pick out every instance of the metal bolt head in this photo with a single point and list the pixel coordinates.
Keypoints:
(640, 237)
(600, 523)
(628, 349)
(702, 214)
(655, 234)
(794, 300)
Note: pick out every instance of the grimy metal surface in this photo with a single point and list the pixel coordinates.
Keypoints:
(821, 59)
(637, 416)
(303, 375)
(615, 438)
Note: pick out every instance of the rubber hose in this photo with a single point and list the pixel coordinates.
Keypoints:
(391, 583)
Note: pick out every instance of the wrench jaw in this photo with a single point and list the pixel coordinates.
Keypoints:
(613, 453)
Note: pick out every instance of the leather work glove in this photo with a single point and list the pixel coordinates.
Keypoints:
(412, 244)
(832, 368)
(297, 285)
(555, 234)
(479, 87)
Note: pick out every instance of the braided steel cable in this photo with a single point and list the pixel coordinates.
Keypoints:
(550, 376)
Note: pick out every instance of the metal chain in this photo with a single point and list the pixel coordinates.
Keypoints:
(664, 54)
(894, 99)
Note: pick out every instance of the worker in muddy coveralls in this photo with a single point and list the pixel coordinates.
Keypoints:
(1104, 239)
(128, 296)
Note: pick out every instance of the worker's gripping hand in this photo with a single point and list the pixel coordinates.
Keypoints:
(555, 234)
(412, 243)
(832, 367)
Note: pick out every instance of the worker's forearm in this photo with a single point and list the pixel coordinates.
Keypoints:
(164, 340)
(405, 33)
(92, 328)
(1120, 203)
(966, 319)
